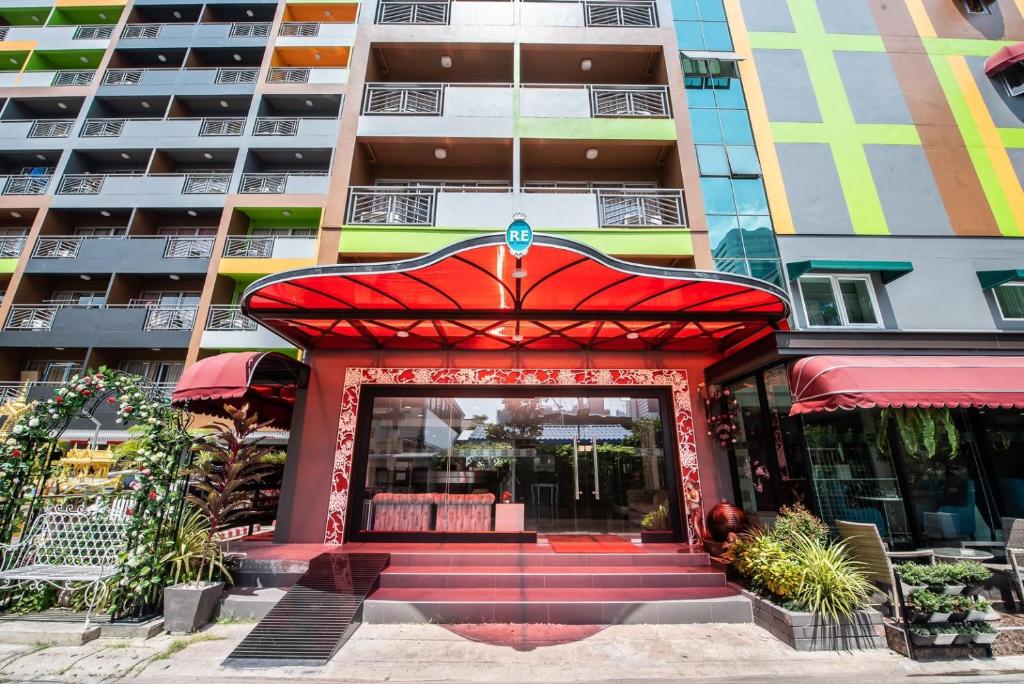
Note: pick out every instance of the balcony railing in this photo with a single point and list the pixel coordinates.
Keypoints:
(122, 77)
(13, 391)
(414, 99)
(228, 317)
(141, 31)
(206, 184)
(236, 75)
(10, 247)
(299, 29)
(31, 317)
(26, 185)
(64, 247)
(102, 128)
(222, 127)
(51, 128)
(271, 183)
(245, 247)
(170, 318)
(3, 32)
(249, 30)
(94, 32)
(188, 247)
(288, 75)
(622, 101)
(637, 207)
(413, 12)
(72, 78)
(81, 184)
(266, 125)
(392, 206)
(619, 13)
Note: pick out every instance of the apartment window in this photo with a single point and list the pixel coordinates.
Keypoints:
(839, 301)
(977, 7)
(53, 371)
(737, 161)
(167, 299)
(98, 231)
(155, 371)
(1010, 299)
(1013, 77)
(186, 232)
(284, 232)
(77, 298)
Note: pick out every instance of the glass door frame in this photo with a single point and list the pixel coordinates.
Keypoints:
(364, 424)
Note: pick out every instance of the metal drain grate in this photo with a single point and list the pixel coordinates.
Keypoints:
(317, 615)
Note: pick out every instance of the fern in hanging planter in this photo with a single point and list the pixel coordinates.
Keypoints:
(919, 428)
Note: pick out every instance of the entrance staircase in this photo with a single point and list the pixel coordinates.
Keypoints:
(535, 585)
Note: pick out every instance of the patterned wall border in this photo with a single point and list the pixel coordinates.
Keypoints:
(355, 378)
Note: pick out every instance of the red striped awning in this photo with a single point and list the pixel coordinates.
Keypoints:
(267, 381)
(830, 383)
(1004, 59)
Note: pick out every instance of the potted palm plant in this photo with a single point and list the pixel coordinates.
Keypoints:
(229, 457)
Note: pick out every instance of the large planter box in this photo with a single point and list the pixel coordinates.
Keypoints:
(188, 607)
(809, 632)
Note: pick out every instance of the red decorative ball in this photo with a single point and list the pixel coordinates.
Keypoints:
(724, 518)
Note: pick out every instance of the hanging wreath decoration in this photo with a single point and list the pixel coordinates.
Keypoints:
(722, 415)
(153, 494)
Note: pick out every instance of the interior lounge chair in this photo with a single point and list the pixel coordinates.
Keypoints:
(866, 546)
(1013, 567)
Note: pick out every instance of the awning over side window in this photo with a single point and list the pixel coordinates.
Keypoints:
(1004, 59)
(888, 270)
(990, 279)
(831, 383)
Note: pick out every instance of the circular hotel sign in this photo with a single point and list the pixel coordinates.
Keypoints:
(519, 236)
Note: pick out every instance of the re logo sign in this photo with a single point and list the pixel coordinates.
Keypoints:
(519, 236)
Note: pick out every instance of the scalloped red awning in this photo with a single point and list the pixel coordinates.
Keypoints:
(1004, 59)
(830, 383)
(475, 295)
(267, 381)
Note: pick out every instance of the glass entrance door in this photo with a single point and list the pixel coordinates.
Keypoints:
(549, 464)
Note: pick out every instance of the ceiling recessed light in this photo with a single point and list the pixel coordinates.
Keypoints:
(83, 59)
(223, 103)
(145, 104)
(632, 336)
(161, 58)
(316, 56)
(35, 18)
(192, 212)
(519, 273)
(299, 155)
(125, 155)
(402, 333)
(176, 14)
(237, 57)
(591, 153)
(249, 13)
(309, 103)
(174, 276)
(59, 348)
(446, 61)
(104, 213)
(41, 157)
(12, 60)
(154, 348)
(16, 214)
(286, 212)
(102, 15)
(440, 153)
(328, 13)
(586, 65)
(207, 155)
(85, 276)
(61, 105)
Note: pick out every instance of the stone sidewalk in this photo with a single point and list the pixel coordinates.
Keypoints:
(433, 653)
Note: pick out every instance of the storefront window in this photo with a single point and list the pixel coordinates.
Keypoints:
(751, 453)
(787, 439)
(513, 464)
(1004, 433)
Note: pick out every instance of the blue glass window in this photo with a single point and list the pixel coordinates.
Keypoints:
(743, 160)
(697, 97)
(750, 198)
(718, 197)
(706, 126)
(758, 237)
(766, 270)
(712, 160)
(711, 10)
(689, 35)
(716, 36)
(732, 96)
(685, 10)
(725, 236)
(737, 266)
(736, 125)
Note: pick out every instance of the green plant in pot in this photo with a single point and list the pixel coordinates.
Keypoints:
(927, 606)
(229, 458)
(656, 519)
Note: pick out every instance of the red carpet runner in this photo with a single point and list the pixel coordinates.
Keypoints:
(590, 543)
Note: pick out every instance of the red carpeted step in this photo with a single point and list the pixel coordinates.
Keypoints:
(549, 558)
(425, 576)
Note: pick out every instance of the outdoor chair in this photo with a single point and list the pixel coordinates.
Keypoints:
(464, 512)
(866, 546)
(1013, 533)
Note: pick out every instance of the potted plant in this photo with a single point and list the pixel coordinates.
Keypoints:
(944, 634)
(977, 609)
(921, 635)
(972, 574)
(229, 458)
(654, 526)
(985, 633)
(942, 579)
(965, 633)
(926, 606)
(912, 577)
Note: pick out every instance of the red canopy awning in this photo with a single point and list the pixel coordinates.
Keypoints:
(829, 383)
(267, 381)
(562, 295)
(1004, 58)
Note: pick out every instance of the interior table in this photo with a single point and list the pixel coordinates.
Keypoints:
(953, 554)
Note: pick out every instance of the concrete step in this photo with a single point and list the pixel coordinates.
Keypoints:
(268, 572)
(559, 606)
(551, 577)
(550, 559)
(248, 603)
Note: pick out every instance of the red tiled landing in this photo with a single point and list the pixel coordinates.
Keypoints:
(547, 559)
(571, 606)
(548, 577)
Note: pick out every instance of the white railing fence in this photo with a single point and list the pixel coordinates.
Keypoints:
(228, 317)
(421, 99)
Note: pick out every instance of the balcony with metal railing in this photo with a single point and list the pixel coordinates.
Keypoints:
(47, 79)
(11, 247)
(179, 189)
(21, 129)
(66, 254)
(269, 247)
(81, 37)
(241, 33)
(311, 34)
(240, 78)
(143, 131)
(24, 185)
(280, 183)
(128, 326)
(590, 13)
(307, 75)
(228, 328)
(437, 109)
(429, 12)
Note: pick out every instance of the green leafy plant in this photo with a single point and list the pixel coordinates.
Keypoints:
(968, 572)
(656, 519)
(924, 601)
(194, 550)
(831, 582)
(796, 522)
(919, 428)
(914, 574)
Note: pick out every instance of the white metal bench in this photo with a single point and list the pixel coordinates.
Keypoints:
(73, 549)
